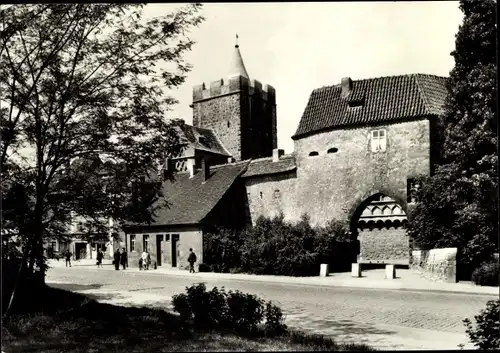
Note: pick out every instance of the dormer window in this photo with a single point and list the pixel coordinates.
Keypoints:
(313, 154)
(332, 150)
(378, 140)
(202, 140)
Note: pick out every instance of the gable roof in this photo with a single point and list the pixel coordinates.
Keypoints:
(383, 99)
(266, 166)
(190, 199)
(209, 142)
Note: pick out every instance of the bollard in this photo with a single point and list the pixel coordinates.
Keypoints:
(390, 271)
(356, 270)
(324, 270)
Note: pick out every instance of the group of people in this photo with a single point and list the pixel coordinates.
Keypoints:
(144, 261)
(120, 258)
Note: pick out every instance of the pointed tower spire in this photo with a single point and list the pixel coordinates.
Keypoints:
(237, 65)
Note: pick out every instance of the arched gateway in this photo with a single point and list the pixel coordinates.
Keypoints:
(380, 227)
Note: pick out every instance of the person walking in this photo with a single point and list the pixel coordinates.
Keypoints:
(148, 261)
(100, 256)
(191, 260)
(116, 259)
(144, 257)
(68, 258)
(123, 258)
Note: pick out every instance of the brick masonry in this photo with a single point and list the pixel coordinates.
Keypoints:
(384, 244)
(339, 185)
(436, 264)
(242, 112)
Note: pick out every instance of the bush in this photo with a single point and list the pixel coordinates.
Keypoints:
(233, 310)
(486, 333)
(221, 250)
(487, 274)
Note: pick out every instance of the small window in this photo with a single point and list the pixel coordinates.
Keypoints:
(132, 242)
(201, 139)
(167, 237)
(332, 150)
(313, 154)
(276, 194)
(378, 141)
(228, 124)
(146, 243)
(261, 194)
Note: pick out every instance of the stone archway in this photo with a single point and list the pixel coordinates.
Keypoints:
(380, 226)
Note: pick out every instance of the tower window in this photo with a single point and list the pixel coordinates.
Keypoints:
(412, 188)
(261, 194)
(276, 194)
(332, 150)
(228, 124)
(313, 154)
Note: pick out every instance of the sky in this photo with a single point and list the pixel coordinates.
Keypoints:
(298, 47)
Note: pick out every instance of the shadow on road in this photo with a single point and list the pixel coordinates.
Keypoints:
(74, 287)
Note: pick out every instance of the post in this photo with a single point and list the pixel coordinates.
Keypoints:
(390, 271)
(324, 270)
(356, 270)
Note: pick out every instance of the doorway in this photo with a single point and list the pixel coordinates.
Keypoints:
(159, 249)
(175, 249)
(80, 251)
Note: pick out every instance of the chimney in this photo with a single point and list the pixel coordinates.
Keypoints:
(205, 169)
(346, 84)
(277, 153)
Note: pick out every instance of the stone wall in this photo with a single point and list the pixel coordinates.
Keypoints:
(388, 245)
(333, 185)
(270, 195)
(436, 264)
(242, 112)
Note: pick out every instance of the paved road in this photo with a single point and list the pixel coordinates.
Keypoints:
(386, 319)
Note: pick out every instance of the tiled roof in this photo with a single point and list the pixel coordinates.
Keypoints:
(266, 166)
(190, 199)
(209, 142)
(383, 99)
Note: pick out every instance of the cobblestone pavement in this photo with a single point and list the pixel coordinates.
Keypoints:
(385, 319)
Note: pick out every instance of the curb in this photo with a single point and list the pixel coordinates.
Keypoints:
(369, 285)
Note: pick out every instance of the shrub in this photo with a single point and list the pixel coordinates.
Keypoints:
(204, 268)
(221, 250)
(486, 333)
(274, 320)
(233, 310)
(487, 274)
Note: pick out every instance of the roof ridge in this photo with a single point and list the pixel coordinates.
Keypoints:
(338, 85)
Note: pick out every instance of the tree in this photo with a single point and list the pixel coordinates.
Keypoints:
(83, 114)
(458, 206)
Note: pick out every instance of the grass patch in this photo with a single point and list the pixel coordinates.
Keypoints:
(81, 324)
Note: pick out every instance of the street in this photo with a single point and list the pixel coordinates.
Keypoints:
(384, 319)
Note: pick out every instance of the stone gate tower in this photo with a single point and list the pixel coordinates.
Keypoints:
(239, 110)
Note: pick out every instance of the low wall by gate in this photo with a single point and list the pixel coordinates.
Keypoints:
(436, 264)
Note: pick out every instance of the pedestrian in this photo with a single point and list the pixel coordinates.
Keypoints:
(140, 264)
(191, 260)
(116, 259)
(100, 256)
(68, 258)
(144, 257)
(123, 258)
(148, 261)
